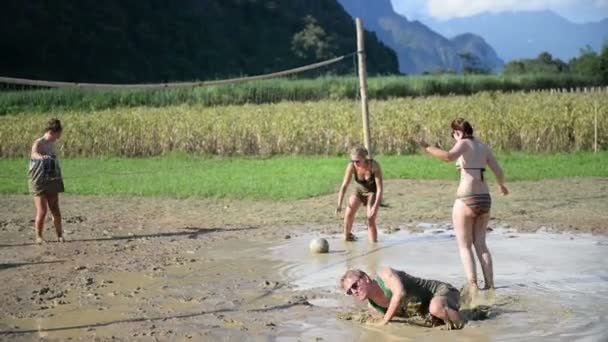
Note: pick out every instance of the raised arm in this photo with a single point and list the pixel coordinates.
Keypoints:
(392, 281)
(498, 172)
(459, 148)
(348, 174)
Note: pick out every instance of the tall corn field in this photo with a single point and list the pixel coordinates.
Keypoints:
(537, 122)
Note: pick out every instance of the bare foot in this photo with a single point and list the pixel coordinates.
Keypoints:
(473, 290)
(350, 237)
(468, 294)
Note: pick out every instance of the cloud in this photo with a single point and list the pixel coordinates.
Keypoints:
(442, 9)
(446, 9)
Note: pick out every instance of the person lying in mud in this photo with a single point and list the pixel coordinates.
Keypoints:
(367, 174)
(389, 293)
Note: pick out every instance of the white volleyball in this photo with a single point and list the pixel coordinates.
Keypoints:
(319, 245)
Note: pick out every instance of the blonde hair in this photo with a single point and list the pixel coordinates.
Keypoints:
(354, 273)
(359, 151)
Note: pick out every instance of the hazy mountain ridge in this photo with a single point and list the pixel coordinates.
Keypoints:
(419, 48)
(517, 35)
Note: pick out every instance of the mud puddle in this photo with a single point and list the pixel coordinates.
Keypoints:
(549, 286)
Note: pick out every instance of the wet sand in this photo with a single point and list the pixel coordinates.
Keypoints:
(172, 269)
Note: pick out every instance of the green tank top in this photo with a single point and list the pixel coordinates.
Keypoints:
(421, 289)
(388, 293)
(366, 185)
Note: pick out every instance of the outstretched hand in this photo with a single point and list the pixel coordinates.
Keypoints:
(371, 212)
(339, 212)
(503, 189)
(380, 324)
(421, 142)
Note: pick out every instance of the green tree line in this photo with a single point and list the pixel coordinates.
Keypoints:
(160, 41)
(588, 64)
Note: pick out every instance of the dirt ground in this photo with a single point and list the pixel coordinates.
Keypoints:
(178, 269)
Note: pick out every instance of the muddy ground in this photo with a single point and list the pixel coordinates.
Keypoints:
(177, 269)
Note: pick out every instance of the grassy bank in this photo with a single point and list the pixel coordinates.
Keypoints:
(278, 178)
(508, 122)
(277, 90)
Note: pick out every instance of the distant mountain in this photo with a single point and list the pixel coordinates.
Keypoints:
(419, 48)
(158, 40)
(517, 35)
(475, 45)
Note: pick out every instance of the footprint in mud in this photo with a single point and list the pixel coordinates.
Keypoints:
(362, 317)
(391, 229)
(75, 219)
(269, 284)
(19, 224)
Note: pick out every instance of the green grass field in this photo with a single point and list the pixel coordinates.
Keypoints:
(277, 178)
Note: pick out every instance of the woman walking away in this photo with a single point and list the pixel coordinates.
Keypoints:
(368, 175)
(471, 210)
(45, 179)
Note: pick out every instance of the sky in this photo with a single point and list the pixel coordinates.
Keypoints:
(578, 11)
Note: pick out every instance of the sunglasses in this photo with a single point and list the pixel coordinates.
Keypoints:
(353, 287)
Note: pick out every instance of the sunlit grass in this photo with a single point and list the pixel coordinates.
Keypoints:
(277, 178)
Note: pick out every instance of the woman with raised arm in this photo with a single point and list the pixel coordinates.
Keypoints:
(471, 210)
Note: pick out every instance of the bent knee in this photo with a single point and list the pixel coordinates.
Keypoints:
(350, 212)
(437, 308)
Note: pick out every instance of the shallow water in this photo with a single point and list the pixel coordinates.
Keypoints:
(549, 286)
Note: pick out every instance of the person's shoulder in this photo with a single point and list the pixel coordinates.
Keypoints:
(39, 141)
(375, 165)
(483, 145)
(387, 272)
(478, 141)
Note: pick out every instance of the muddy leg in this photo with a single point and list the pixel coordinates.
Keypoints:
(372, 229)
(439, 308)
(53, 202)
(483, 253)
(462, 217)
(349, 216)
(41, 208)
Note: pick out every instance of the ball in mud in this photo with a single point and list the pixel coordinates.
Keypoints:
(319, 245)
